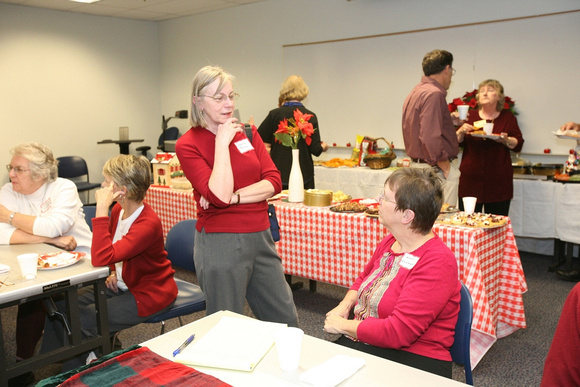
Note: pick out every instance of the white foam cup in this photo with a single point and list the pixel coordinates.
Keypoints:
(488, 128)
(462, 109)
(288, 345)
(28, 265)
(469, 204)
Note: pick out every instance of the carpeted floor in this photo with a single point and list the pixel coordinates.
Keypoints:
(516, 360)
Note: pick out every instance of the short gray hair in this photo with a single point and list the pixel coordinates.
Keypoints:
(41, 161)
(133, 172)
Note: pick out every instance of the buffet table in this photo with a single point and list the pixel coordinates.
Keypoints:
(333, 247)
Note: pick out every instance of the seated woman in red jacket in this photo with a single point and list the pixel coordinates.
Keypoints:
(406, 300)
(130, 242)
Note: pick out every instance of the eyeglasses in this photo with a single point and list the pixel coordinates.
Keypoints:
(221, 98)
(382, 197)
(453, 71)
(17, 170)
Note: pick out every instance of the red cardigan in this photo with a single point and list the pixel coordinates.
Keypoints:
(146, 269)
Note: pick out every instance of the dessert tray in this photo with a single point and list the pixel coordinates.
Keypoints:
(475, 220)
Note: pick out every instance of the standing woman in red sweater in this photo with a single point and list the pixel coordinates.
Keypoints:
(235, 255)
(129, 241)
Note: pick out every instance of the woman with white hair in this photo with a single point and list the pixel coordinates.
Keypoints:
(38, 207)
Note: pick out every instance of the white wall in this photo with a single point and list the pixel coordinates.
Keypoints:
(70, 80)
(249, 42)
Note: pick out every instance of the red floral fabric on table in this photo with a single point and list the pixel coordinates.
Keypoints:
(331, 247)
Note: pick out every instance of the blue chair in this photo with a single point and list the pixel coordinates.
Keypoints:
(89, 214)
(460, 349)
(75, 168)
(179, 247)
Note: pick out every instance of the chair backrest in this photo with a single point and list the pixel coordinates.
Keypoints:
(460, 351)
(72, 166)
(171, 134)
(179, 244)
(89, 214)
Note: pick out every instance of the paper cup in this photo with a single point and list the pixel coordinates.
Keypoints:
(28, 265)
(462, 109)
(488, 128)
(288, 345)
(469, 204)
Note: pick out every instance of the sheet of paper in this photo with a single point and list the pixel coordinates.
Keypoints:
(333, 371)
(234, 343)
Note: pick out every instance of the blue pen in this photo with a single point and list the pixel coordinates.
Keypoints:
(185, 344)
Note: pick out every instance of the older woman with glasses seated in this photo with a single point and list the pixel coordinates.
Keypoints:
(406, 300)
(38, 207)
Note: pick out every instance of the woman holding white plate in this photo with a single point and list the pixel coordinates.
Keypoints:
(486, 167)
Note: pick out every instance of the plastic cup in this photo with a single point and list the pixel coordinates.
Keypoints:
(28, 265)
(462, 109)
(469, 204)
(488, 128)
(288, 345)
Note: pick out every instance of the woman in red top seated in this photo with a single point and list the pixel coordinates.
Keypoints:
(130, 242)
(406, 301)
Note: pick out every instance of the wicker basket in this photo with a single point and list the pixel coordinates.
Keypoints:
(378, 160)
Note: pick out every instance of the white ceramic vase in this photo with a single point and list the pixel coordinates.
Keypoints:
(295, 181)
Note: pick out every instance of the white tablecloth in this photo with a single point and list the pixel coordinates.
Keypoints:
(543, 210)
(359, 182)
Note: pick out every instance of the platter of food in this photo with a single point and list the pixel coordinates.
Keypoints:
(58, 260)
(475, 220)
(372, 212)
(349, 207)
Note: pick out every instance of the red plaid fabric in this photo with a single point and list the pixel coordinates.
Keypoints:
(331, 247)
(171, 205)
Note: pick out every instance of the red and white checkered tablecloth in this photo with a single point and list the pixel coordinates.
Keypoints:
(171, 205)
(331, 247)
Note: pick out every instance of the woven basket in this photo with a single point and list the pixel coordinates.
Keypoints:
(378, 160)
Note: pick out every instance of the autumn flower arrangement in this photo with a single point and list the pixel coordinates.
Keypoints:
(290, 131)
(470, 98)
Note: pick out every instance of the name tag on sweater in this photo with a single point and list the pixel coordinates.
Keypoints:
(244, 145)
(408, 261)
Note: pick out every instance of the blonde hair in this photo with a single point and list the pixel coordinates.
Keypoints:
(498, 87)
(41, 161)
(204, 77)
(133, 172)
(293, 88)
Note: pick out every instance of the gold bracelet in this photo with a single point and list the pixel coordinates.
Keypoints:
(237, 193)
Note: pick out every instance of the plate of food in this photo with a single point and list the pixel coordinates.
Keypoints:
(349, 207)
(53, 261)
(446, 208)
(475, 220)
(340, 197)
(482, 134)
(568, 134)
(366, 201)
(372, 212)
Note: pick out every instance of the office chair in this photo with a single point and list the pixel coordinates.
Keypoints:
(170, 134)
(190, 298)
(460, 350)
(74, 168)
(89, 214)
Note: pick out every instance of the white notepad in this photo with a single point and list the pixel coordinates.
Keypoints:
(333, 371)
(234, 343)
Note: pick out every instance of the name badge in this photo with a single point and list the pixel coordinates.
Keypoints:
(244, 145)
(46, 205)
(408, 261)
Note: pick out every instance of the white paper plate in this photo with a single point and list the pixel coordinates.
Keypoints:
(58, 260)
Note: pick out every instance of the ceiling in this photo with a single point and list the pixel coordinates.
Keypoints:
(152, 10)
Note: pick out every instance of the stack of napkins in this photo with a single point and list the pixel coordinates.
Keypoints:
(4, 268)
(333, 371)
